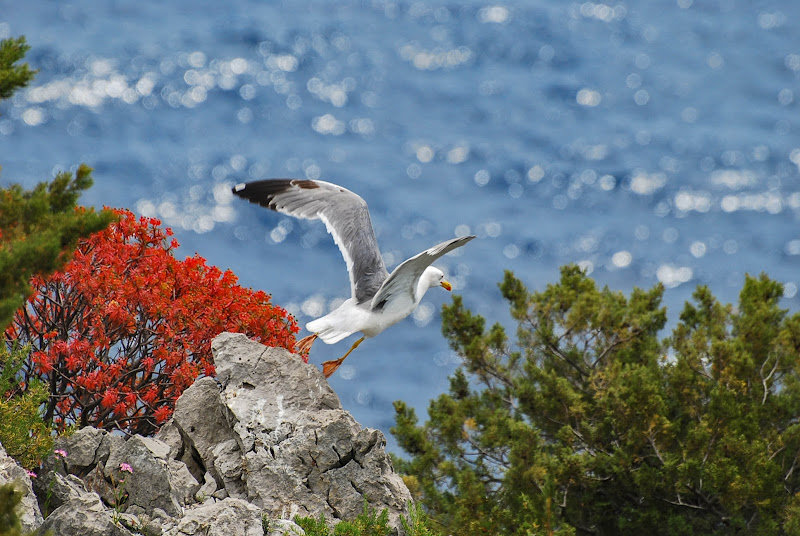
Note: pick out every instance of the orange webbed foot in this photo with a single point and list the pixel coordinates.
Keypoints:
(304, 345)
(329, 367)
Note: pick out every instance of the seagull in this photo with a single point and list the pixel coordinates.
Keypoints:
(378, 299)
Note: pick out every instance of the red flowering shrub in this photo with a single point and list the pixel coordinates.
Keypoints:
(124, 328)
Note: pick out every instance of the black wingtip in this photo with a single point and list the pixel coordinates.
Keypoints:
(261, 192)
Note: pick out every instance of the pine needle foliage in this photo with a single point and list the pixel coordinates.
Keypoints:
(13, 76)
(10, 524)
(589, 423)
(39, 229)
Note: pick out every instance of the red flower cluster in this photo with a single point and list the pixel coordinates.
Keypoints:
(124, 328)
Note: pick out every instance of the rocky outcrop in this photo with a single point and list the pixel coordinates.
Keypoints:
(93, 463)
(12, 473)
(267, 439)
(275, 434)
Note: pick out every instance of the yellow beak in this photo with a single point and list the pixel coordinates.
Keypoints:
(445, 285)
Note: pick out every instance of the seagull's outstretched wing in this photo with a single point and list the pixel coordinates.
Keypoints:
(403, 279)
(345, 215)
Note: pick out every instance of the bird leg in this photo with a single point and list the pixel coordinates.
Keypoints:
(329, 367)
(304, 344)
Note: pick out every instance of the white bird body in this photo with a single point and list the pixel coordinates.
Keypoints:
(350, 317)
(378, 299)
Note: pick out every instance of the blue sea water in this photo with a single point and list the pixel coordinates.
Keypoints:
(649, 141)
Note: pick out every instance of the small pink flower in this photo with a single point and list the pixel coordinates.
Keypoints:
(31, 474)
(60, 453)
(124, 467)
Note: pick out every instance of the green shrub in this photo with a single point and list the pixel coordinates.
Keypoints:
(23, 433)
(368, 523)
(39, 228)
(416, 524)
(9, 500)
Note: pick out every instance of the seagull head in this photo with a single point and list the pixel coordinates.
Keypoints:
(435, 278)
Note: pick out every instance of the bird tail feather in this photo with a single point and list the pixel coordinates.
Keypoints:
(326, 332)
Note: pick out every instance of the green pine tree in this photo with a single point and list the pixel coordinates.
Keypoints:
(39, 227)
(589, 424)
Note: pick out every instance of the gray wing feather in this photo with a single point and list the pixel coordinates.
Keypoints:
(403, 279)
(344, 214)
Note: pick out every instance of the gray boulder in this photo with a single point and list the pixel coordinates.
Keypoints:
(287, 445)
(11, 472)
(83, 516)
(87, 450)
(284, 527)
(200, 428)
(227, 517)
(156, 480)
(63, 489)
(208, 488)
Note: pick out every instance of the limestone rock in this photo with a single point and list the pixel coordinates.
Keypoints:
(86, 450)
(83, 516)
(94, 456)
(11, 472)
(184, 485)
(284, 527)
(170, 435)
(201, 420)
(294, 450)
(227, 517)
(227, 463)
(62, 489)
(156, 481)
(208, 488)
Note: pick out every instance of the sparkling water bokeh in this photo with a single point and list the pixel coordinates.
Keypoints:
(646, 141)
